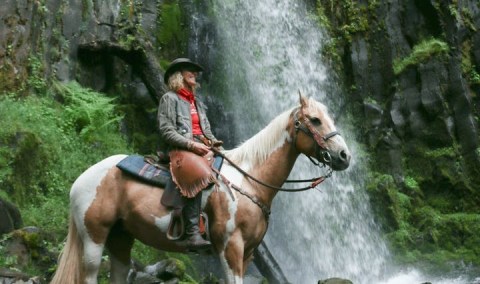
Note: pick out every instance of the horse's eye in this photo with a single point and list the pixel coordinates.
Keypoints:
(315, 121)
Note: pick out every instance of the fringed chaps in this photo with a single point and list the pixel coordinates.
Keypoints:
(191, 172)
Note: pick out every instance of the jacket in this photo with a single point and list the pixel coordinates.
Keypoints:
(175, 122)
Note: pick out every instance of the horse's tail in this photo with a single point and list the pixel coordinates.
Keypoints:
(70, 268)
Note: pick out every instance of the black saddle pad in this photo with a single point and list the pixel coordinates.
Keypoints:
(135, 165)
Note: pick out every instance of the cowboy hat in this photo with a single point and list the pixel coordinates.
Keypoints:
(180, 64)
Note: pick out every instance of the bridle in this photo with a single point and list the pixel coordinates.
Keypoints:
(308, 128)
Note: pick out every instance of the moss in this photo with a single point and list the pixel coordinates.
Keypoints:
(172, 33)
(392, 205)
(36, 78)
(469, 70)
(401, 207)
(412, 186)
(421, 53)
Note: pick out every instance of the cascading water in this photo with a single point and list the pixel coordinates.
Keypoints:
(264, 53)
(271, 50)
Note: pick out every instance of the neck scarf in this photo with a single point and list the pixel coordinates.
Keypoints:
(186, 95)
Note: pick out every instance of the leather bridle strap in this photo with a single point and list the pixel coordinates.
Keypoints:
(311, 131)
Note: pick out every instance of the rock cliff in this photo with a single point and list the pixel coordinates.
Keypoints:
(412, 72)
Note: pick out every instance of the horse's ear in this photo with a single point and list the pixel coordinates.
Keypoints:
(303, 99)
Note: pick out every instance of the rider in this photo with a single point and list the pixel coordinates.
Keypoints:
(183, 124)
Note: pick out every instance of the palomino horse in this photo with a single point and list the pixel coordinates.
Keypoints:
(110, 209)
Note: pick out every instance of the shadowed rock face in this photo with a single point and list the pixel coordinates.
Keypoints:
(10, 218)
(420, 123)
(433, 103)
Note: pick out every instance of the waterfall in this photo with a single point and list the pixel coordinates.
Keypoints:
(265, 52)
(259, 54)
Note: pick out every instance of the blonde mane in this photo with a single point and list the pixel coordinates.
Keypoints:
(257, 149)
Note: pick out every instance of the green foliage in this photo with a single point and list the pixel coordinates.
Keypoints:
(421, 52)
(91, 114)
(411, 183)
(469, 70)
(6, 261)
(344, 21)
(145, 254)
(172, 33)
(45, 145)
(424, 230)
(36, 78)
(448, 152)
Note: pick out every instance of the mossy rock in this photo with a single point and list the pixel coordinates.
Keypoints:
(27, 250)
(27, 159)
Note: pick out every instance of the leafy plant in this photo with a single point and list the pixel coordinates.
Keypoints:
(421, 53)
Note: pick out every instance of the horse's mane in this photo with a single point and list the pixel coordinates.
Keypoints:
(256, 149)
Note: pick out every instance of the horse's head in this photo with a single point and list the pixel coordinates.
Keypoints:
(317, 137)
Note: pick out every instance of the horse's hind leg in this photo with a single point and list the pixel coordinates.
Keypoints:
(119, 245)
(92, 258)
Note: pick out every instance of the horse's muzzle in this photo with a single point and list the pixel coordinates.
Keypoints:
(338, 161)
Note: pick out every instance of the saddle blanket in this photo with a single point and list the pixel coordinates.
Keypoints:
(136, 166)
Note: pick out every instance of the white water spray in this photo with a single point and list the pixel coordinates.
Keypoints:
(266, 51)
(271, 50)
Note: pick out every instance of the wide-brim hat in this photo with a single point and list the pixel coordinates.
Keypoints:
(180, 64)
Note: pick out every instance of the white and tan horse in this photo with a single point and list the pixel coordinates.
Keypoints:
(110, 209)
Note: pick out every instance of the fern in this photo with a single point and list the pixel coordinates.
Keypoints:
(90, 112)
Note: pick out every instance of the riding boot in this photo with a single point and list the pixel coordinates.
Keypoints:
(191, 216)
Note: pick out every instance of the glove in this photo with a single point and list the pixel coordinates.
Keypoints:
(217, 143)
(198, 148)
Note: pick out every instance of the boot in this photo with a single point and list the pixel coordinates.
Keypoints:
(191, 215)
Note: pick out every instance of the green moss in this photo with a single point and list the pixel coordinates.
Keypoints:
(36, 78)
(446, 152)
(469, 70)
(411, 184)
(172, 33)
(421, 52)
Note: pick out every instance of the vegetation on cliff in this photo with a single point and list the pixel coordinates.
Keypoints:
(54, 130)
(426, 198)
(423, 186)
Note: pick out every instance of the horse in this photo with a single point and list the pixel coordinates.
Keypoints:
(110, 209)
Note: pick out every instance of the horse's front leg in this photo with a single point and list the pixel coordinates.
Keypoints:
(232, 258)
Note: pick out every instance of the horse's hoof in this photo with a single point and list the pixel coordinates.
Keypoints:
(198, 246)
(200, 250)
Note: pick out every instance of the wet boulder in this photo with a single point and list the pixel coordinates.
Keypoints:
(335, 280)
(165, 271)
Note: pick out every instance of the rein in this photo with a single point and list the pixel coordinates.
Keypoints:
(315, 181)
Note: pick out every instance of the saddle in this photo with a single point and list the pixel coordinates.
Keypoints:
(189, 172)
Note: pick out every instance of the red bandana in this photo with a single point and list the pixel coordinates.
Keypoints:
(186, 95)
